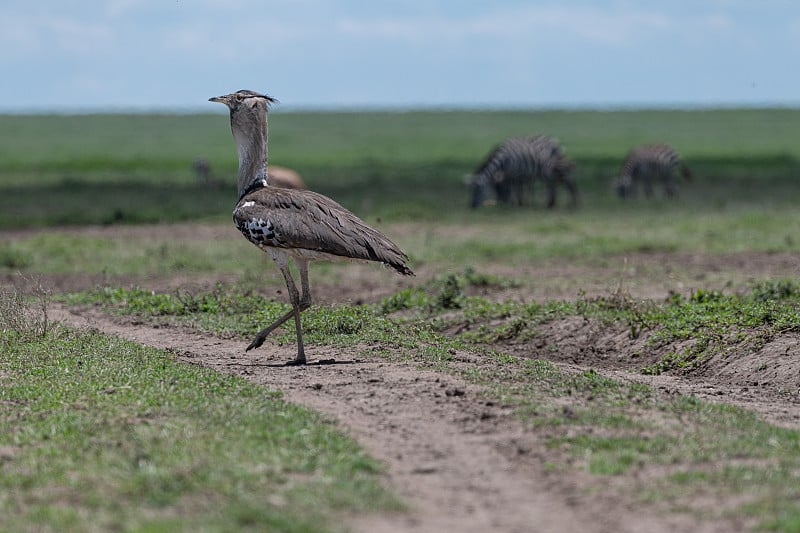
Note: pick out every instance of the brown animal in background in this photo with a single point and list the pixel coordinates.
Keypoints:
(278, 176)
(285, 177)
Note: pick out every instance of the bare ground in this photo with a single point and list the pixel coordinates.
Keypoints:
(460, 461)
(464, 463)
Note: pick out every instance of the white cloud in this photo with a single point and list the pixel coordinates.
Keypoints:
(76, 36)
(470, 51)
(118, 8)
(52, 34)
(525, 23)
(16, 38)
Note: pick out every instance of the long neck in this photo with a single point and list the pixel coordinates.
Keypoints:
(251, 144)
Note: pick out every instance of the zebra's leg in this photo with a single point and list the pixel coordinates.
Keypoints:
(569, 183)
(648, 186)
(551, 193)
(519, 185)
(502, 191)
(669, 186)
(531, 190)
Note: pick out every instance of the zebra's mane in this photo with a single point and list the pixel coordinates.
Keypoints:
(489, 158)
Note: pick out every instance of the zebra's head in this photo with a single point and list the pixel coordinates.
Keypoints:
(487, 190)
(623, 186)
(479, 189)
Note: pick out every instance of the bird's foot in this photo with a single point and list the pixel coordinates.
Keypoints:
(261, 336)
(258, 341)
(296, 362)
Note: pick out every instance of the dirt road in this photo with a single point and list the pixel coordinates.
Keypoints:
(461, 462)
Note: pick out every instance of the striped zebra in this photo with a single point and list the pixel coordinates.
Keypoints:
(646, 164)
(512, 167)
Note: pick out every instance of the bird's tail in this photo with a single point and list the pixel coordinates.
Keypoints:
(402, 269)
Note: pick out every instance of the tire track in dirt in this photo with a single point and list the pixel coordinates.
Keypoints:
(461, 463)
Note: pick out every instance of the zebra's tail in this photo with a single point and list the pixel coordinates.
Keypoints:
(685, 172)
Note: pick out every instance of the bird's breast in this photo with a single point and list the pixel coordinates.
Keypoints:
(259, 230)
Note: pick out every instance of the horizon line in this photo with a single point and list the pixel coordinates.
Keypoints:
(404, 108)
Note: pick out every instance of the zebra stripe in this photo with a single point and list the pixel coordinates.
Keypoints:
(646, 164)
(511, 168)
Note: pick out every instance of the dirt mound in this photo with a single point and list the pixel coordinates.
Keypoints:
(765, 378)
(774, 366)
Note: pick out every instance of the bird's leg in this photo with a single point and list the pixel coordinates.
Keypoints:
(297, 306)
(301, 354)
(300, 304)
(295, 298)
(305, 298)
(261, 336)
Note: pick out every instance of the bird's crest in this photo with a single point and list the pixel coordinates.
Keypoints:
(234, 99)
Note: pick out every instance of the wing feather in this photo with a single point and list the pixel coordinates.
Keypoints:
(305, 220)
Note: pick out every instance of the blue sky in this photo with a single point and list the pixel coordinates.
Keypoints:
(84, 55)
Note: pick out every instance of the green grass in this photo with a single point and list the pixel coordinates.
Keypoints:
(714, 322)
(135, 168)
(98, 254)
(481, 240)
(685, 446)
(402, 172)
(101, 434)
(124, 143)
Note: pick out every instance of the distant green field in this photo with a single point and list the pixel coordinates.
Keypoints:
(82, 169)
(404, 173)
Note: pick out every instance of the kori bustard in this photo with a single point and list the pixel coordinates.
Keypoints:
(292, 223)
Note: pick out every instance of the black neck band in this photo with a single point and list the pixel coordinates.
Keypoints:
(256, 185)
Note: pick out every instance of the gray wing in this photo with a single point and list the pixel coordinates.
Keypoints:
(307, 220)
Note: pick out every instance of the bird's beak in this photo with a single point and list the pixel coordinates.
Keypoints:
(220, 99)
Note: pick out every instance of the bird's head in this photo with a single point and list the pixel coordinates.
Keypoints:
(248, 113)
(245, 102)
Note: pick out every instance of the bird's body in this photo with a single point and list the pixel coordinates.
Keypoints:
(309, 226)
(291, 223)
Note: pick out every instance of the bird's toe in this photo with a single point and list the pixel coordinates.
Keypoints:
(258, 341)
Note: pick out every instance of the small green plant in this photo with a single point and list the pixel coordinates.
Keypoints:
(450, 295)
(409, 298)
(701, 296)
(776, 289)
(473, 278)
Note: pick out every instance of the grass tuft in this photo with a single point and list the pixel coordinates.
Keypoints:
(24, 318)
(102, 434)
